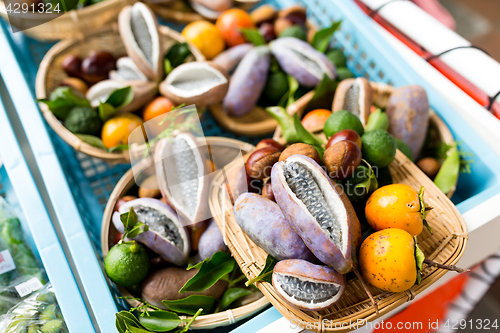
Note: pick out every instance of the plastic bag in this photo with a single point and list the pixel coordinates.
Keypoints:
(38, 313)
(17, 262)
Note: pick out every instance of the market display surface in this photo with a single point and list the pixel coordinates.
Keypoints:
(305, 220)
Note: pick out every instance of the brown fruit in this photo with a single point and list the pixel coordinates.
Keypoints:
(294, 14)
(300, 149)
(430, 166)
(263, 14)
(267, 31)
(72, 65)
(267, 190)
(149, 188)
(165, 284)
(342, 159)
(261, 161)
(123, 200)
(269, 143)
(281, 24)
(343, 135)
(76, 83)
(97, 65)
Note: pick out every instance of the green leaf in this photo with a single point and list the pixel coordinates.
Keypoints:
(191, 304)
(121, 147)
(176, 56)
(321, 39)
(423, 210)
(121, 97)
(325, 88)
(307, 137)
(286, 123)
(419, 258)
(138, 229)
(190, 322)
(62, 100)
(120, 325)
(91, 140)
(377, 120)
(160, 321)
(293, 85)
(129, 219)
(266, 273)
(134, 329)
(198, 265)
(253, 36)
(231, 295)
(210, 272)
(106, 111)
(448, 173)
(128, 318)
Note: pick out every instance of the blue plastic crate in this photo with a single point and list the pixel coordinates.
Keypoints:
(18, 187)
(79, 185)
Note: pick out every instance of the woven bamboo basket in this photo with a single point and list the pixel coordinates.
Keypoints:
(51, 74)
(445, 245)
(75, 23)
(181, 12)
(108, 233)
(439, 131)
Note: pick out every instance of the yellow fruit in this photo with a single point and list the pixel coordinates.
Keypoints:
(206, 37)
(387, 260)
(395, 206)
(117, 130)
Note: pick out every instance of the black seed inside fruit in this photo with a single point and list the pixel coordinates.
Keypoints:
(160, 224)
(186, 172)
(351, 100)
(306, 290)
(302, 183)
(141, 35)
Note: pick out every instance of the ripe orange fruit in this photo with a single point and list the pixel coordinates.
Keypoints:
(117, 130)
(206, 37)
(157, 107)
(387, 260)
(395, 206)
(315, 118)
(230, 22)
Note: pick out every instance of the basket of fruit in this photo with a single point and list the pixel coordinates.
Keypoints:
(178, 269)
(92, 90)
(87, 15)
(265, 59)
(195, 10)
(404, 112)
(332, 240)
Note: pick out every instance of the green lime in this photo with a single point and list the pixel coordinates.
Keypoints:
(404, 149)
(127, 264)
(83, 120)
(276, 86)
(342, 120)
(378, 148)
(337, 57)
(344, 73)
(294, 31)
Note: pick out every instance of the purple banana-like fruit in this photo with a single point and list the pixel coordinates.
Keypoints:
(262, 220)
(318, 210)
(166, 235)
(300, 60)
(230, 58)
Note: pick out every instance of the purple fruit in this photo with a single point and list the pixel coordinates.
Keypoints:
(323, 218)
(166, 236)
(247, 82)
(211, 241)
(300, 60)
(307, 286)
(230, 58)
(408, 113)
(262, 220)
